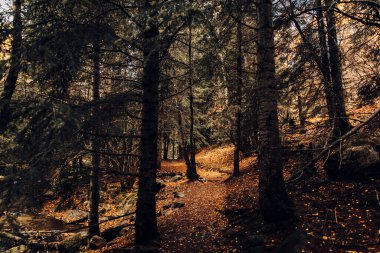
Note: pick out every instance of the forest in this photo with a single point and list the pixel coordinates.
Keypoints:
(150, 126)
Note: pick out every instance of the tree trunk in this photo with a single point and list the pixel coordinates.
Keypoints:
(146, 219)
(324, 63)
(159, 149)
(239, 72)
(301, 115)
(180, 156)
(15, 65)
(166, 145)
(341, 122)
(183, 145)
(275, 204)
(93, 216)
(192, 169)
(173, 148)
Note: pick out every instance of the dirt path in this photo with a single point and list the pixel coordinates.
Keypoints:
(198, 225)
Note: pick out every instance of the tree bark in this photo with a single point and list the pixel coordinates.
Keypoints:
(166, 145)
(146, 219)
(275, 204)
(191, 172)
(183, 145)
(94, 198)
(301, 115)
(341, 122)
(15, 65)
(324, 62)
(239, 72)
(173, 148)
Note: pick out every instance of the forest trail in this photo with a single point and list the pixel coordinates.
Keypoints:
(198, 225)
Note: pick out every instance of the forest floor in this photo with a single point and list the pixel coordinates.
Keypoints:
(220, 214)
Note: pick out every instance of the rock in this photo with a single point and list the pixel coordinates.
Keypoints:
(97, 242)
(75, 216)
(18, 249)
(111, 233)
(358, 158)
(178, 194)
(49, 194)
(203, 180)
(166, 212)
(255, 240)
(178, 204)
(9, 240)
(167, 206)
(159, 185)
(73, 243)
(175, 178)
(125, 231)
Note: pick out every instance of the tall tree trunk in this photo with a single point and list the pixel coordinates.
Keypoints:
(146, 219)
(301, 115)
(183, 145)
(192, 170)
(159, 148)
(239, 72)
(173, 148)
(166, 145)
(93, 216)
(180, 155)
(324, 62)
(15, 66)
(275, 204)
(342, 124)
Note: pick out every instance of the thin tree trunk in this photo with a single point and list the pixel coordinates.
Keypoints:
(341, 121)
(93, 217)
(192, 170)
(146, 219)
(15, 65)
(159, 149)
(239, 72)
(301, 115)
(166, 145)
(173, 148)
(275, 204)
(183, 145)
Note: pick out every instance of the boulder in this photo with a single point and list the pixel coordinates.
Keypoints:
(176, 178)
(111, 233)
(73, 243)
(167, 206)
(179, 194)
(357, 158)
(75, 216)
(49, 194)
(178, 204)
(9, 240)
(97, 242)
(18, 249)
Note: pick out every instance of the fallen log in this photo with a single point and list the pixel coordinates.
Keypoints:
(298, 174)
